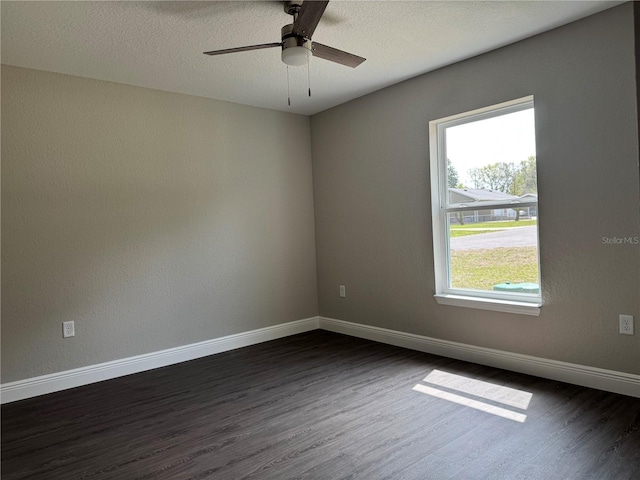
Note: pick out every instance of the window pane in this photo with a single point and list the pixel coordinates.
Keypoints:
(485, 198)
(492, 251)
(492, 159)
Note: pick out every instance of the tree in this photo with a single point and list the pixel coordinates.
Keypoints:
(453, 182)
(515, 179)
(526, 180)
(500, 177)
(452, 175)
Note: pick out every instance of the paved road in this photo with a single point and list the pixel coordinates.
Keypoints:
(510, 237)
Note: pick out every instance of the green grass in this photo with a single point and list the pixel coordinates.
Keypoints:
(463, 233)
(482, 269)
(498, 225)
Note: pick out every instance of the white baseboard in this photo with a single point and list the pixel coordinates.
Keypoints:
(608, 380)
(32, 387)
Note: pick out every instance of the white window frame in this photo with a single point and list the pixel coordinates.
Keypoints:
(528, 304)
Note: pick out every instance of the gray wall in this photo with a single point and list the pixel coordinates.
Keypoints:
(155, 220)
(373, 209)
(151, 219)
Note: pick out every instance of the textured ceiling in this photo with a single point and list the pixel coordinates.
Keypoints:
(160, 44)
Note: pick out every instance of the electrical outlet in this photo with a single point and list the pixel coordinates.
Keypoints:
(68, 329)
(343, 291)
(626, 324)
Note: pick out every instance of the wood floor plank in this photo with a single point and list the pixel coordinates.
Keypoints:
(318, 406)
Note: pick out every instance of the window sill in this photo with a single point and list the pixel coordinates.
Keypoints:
(522, 308)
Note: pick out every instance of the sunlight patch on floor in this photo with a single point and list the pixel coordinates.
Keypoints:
(490, 391)
(477, 388)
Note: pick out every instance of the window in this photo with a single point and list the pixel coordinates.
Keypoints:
(485, 208)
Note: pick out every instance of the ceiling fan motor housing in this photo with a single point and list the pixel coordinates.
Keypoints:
(296, 49)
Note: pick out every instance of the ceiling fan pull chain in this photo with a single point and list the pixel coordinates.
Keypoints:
(308, 74)
(288, 90)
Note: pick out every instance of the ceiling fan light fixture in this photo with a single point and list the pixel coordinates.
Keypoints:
(295, 56)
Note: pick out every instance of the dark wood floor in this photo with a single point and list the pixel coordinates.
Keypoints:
(317, 406)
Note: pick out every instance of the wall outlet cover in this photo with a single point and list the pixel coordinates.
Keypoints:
(68, 329)
(626, 324)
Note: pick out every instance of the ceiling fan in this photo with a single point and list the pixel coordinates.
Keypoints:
(296, 40)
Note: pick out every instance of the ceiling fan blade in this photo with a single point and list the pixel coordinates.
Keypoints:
(334, 55)
(308, 17)
(243, 49)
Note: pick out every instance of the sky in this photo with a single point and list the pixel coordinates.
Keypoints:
(508, 138)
